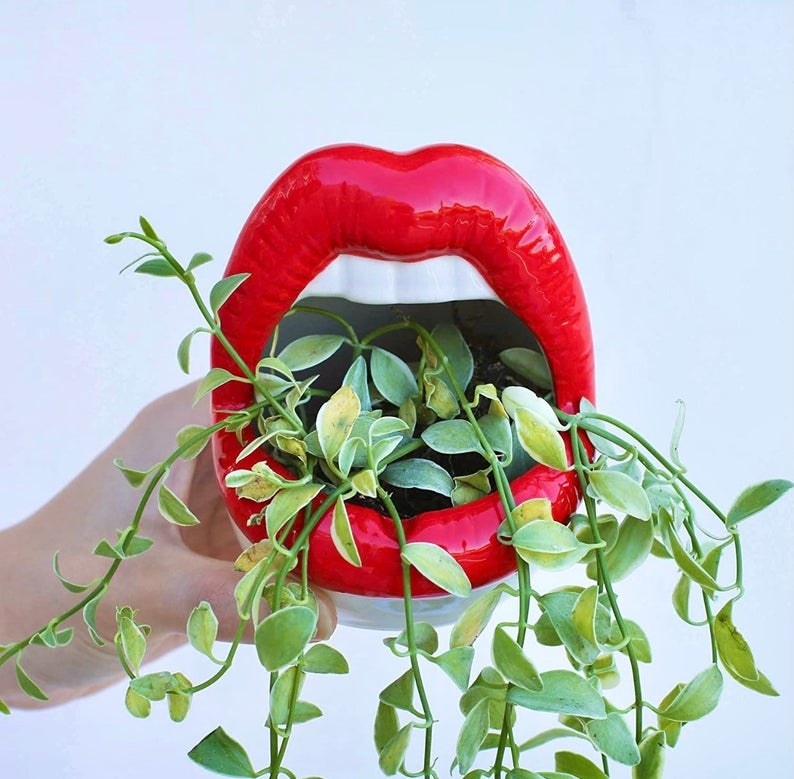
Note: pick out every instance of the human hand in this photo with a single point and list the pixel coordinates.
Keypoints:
(183, 567)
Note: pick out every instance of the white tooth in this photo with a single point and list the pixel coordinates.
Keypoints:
(364, 280)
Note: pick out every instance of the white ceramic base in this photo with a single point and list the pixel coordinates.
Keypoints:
(359, 611)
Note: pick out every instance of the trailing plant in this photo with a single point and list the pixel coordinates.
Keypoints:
(418, 427)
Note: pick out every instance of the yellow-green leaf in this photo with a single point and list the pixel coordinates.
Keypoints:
(342, 534)
(335, 420)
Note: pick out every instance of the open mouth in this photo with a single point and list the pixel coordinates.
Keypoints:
(464, 238)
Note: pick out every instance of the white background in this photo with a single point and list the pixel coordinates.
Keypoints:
(658, 134)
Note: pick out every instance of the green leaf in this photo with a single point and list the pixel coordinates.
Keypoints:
(214, 379)
(563, 692)
(89, 616)
(335, 421)
(511, 661)
(471, 486)
(452, 436)
(69, 585)
(472, 734)
(198, 259)
(27, 685)
(756, 498)
(392, 755)
(736, 655)
(474, 619)
(382, 449)
(148, 230)
(693, 569)
(386, 725)
(135, 544)
(220, 753)
(324, 659)
(425, 638)
(189, 432)
(529, 510)
(456, 353)
(178, 705)
(134, 478)
(357, 378)
(132, 641)
(639, 641)
(528, 364)
(697, 698)
(286, 504)
(342, 534)
(51, 637)
(310, 350)
(283, 693)
(620, 492)
(249, 588)
(4, 708)
(587, 617)
(365, 483)
(439, 566)
(224, 289)
(439, 398)
(652, 753)
(456, 664)
(202, 629)
(155, 686)
(386, 426)
(105, 549)
(136, 704)
(671, 728)
(156, 267)
(549, 545)
(633, 545)
(675, 440)
(419, 473)
(392, 377)
(517, 398)
(612, 736)
(558, 607)
(400, 693)
(303, 711)
(283, 635)
(497, 432)
(178, 698)
(577, 765)
(540, 440)
(173, 509)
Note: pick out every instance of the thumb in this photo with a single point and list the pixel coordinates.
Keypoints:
(207, 579)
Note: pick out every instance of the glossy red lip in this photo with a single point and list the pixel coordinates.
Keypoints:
(435, 201)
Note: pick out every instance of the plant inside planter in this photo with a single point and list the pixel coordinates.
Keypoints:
(408, 419)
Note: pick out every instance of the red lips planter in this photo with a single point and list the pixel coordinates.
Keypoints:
(440, 200)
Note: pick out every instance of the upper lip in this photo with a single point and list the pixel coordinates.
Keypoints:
(440, 200)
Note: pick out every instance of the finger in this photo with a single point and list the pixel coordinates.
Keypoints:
(196, 579)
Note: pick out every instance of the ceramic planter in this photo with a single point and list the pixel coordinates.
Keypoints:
(375, 206)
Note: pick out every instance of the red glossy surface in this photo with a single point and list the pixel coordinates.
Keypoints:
(435, 201)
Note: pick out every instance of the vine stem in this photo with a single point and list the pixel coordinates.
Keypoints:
(410, 634)
(606, 580)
